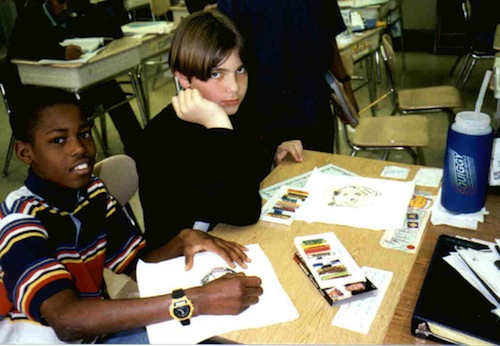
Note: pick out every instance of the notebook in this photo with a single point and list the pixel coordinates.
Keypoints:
(448, 308)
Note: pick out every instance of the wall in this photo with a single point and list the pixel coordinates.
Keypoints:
(419, 14)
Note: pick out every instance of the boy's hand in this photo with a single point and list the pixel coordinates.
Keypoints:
(294, 148)
(72, 52)
(192, 107)
(228, 295)
(195, 241)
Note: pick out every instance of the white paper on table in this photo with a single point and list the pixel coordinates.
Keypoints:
(301, 180)
(87, 44)
(440, 216)
(483, 265)
(371, 203)
(359, 315)
(161, 278)
(395, 172)
(429, 176)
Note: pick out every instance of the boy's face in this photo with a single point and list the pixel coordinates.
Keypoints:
(227, 85)
(63, 150)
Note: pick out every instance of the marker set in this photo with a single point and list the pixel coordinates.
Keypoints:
(283, 206)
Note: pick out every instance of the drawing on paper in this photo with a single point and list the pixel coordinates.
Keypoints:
(354, 196)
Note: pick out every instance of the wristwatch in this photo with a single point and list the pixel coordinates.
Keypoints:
(181, 308)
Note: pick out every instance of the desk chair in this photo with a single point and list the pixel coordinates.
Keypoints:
(481, 18)
(381, 133)
(119, 174)
(417, 100)
(394, 19)
(10, 149)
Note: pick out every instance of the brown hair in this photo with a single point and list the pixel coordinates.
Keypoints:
(202, 41)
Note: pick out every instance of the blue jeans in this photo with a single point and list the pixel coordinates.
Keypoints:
(133, 336)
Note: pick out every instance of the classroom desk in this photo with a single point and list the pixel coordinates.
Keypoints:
(119, 57)
(400, 324)
(362, 46)
(151, 47)
(179, 13)
(314, 324)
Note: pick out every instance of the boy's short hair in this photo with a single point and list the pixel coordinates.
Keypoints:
(202, 41)
(35, 100)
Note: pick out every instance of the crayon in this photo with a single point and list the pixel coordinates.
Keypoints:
(279, 216)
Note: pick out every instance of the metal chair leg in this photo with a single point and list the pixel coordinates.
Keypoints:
(8, 157)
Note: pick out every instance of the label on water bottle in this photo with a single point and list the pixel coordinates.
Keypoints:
(463, 175)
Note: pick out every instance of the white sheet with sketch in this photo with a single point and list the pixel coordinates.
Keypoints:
(355, 201)
(161, 278)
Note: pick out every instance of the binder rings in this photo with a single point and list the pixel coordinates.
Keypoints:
(448, 308)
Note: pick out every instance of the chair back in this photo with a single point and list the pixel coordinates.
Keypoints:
(119, 173)
(342, 106)
(159, 8)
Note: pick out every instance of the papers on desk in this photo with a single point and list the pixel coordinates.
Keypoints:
(87, 44)
(160, 278)
(90, 46)
(148, 27)
(371, 203)
(479, 269)
(360, 3)
(301, 180)
(441, 216)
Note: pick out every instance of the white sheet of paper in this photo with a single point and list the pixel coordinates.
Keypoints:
(429, 176)
(395, 172)
(377, 204)
(160, 278)
(359, 315)
(301, 180)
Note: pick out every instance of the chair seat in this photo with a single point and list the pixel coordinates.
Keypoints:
(443, 96)
(384, 131)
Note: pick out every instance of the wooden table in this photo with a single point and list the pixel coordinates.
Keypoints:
(400, 323)
(314, 324)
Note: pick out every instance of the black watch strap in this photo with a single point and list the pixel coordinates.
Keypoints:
(178, 293)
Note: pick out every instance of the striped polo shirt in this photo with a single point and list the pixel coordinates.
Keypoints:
(54, 238)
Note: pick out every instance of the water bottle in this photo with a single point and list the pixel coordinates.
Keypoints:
(467, 162)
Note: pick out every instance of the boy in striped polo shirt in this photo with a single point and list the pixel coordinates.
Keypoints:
(62, 228)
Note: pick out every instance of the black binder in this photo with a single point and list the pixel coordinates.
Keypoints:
(449, 309)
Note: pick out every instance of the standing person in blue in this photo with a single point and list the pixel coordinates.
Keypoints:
(213, 158)
(291, 45)
(62, 229)
(37, 32)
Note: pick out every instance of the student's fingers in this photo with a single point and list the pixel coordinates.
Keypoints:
(297, 150)
(189, 261)
(197, 241)
(232, 253)
(280, 155)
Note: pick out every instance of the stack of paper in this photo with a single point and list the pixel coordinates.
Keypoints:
(87, 44)
(479, 269)
(145, 28)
